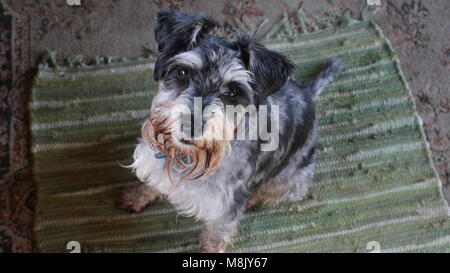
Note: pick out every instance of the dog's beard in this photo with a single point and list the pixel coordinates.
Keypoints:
(196, 157)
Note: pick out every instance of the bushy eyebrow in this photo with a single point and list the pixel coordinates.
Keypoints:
(237, 84)
(188, 59)
(235, 71)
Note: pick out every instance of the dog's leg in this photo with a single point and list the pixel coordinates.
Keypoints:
(216, 235)
(267, 195)
(283, 189)
(137, 197)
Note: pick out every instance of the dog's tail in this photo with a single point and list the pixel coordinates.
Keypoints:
(326, 76)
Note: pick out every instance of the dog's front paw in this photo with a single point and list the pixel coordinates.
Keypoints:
(214, 246)
(135, 198)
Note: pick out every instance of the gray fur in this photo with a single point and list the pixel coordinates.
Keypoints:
(247, 175)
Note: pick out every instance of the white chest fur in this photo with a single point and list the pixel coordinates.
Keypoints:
(207, 198)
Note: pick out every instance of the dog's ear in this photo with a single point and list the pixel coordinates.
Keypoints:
(270, 69)
(176, 32)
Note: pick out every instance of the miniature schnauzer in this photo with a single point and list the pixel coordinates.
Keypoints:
(213, 176)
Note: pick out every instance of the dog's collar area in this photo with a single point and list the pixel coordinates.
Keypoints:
(185, 159)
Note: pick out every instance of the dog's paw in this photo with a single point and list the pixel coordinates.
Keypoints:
(135, 198)
(251, 203)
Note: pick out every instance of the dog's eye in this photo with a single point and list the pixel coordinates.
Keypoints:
(234, 92)
(183, 73)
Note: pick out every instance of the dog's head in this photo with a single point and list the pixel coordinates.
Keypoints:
(201, 73)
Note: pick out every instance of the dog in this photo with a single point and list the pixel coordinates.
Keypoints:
(211, 175)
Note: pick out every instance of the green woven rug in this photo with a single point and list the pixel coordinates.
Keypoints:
(374, 186)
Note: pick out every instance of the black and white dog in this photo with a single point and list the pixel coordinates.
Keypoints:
(214, 176)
